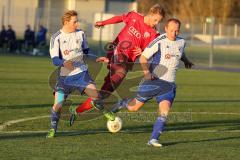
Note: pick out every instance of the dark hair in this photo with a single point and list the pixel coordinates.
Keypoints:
(157, 9)
(173, 20)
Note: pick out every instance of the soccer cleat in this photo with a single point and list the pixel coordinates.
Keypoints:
(109, 115)
(51, 133)
(97, 106)
(72, 110)
(154, 143)
(72, 119)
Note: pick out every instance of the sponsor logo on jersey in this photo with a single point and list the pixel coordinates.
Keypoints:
(76, 50)
(66, 52)
(168, 56)
(134, 31)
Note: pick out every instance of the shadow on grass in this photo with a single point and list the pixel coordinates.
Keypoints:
(203, 140)
(207, 101)
(229, 125)
(24, 106)
(41, 134)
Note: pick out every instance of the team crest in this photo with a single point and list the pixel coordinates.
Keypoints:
(146, 34)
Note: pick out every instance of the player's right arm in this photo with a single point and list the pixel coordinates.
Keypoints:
(114, 20)
(55, 55)
(147, 54)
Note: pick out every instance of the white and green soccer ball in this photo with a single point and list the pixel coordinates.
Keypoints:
(114, 126)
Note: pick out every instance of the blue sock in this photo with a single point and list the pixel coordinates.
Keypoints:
(120, 105)
(54, 119)
(125, 102)
(158, 127)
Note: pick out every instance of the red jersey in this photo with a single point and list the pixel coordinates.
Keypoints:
(134, 34)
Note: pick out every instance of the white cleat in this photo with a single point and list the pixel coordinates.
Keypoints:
(154, 143)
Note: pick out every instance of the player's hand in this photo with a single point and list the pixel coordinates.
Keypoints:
(137, 51)
(102, 59)
(69, 65)
(98, 24)
(148, 76)
(188, 64)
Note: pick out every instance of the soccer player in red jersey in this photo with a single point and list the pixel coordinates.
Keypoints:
(137, 33)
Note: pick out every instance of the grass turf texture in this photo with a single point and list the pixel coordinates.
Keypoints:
(191, 134)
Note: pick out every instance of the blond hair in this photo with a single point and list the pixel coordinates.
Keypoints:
(68, 14)
(157, 9)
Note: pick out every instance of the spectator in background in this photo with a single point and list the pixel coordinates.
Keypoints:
(40, 41)
(3, 37)
(41, 36)
(29, 38)
(11, 39)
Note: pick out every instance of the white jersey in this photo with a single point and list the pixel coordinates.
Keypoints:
(165, 56)
(69, 46)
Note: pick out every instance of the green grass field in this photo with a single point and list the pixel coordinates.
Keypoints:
(204, 124)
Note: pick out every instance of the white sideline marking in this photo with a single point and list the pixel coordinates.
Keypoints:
(127, 131)
(8, 123)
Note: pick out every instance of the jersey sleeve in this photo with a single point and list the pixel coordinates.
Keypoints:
(126, 17)
(117, 19)
(54, 47)
(183, 48)
(113, 20)
(54, 52)
(151, 49)
(84, 46)
(84, 42)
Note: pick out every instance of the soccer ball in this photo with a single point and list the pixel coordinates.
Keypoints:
(114, 126)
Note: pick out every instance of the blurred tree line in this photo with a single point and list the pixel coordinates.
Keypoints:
(191, 9)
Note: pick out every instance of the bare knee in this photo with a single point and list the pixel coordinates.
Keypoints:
(56, 107)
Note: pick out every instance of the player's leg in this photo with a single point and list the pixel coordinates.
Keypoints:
(111, 82)
(159, 125)
(165, 101)
(131, 105)
(55, 113)
(86, 84)
(145, 92)
(117, 73)
(96, 101)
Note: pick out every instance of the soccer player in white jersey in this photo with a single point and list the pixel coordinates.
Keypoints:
(67, 48)
(164, 52)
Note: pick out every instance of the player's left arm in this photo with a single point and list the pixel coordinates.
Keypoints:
(188, 64)
(84, 45)
(145, 56)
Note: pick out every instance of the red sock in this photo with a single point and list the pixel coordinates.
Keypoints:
(84, 106)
